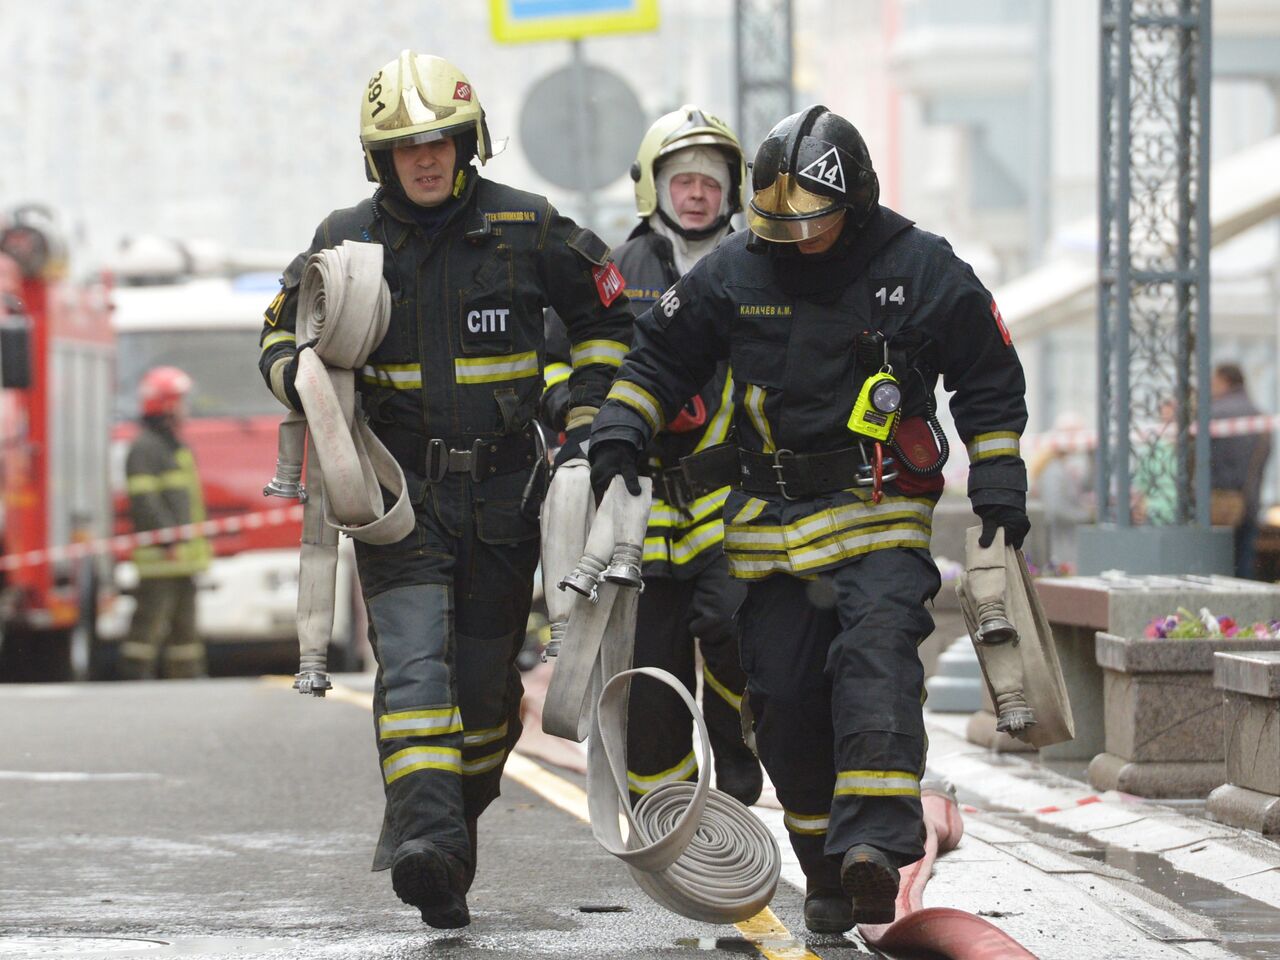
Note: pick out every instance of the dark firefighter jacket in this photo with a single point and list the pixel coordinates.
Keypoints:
(790, 329)
(463, 355)
(164, 492)
(683, 536)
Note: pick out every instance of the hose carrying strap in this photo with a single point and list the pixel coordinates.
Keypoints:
(344, 305)
(694, 850)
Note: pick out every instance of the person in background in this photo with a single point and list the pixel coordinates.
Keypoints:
(1061, 478)
(164, 492)
(688, 174)
(1236, 465)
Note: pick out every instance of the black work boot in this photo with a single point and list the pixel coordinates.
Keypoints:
(423, 876)
(871, 882)
(826, 908)
(738, 775)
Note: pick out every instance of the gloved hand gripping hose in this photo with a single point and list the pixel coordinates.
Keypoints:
(345, 306)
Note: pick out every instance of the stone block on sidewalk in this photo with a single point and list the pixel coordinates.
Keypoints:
(1250, 686)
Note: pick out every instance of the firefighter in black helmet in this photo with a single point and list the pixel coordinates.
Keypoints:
(838, 316)
(689, 180)
(452, 390)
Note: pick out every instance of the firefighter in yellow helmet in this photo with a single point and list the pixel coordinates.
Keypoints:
(452, 391)
(688, 176)
(839, 316)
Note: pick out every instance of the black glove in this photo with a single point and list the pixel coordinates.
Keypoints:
(996, 515)
(573, 443)
(291, 374)
(613, 458)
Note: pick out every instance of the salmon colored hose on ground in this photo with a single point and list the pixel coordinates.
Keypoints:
(939, 931)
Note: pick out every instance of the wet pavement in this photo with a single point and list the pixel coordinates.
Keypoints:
(232, 818)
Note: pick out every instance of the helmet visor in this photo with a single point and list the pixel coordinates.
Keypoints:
(785, 212)
(423, 136)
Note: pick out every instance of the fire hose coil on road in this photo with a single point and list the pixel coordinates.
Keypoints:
(694, 850)
(345, 306)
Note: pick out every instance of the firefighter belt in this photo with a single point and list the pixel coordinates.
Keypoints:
(1014, 643)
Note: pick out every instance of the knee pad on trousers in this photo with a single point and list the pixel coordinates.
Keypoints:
(414, 628)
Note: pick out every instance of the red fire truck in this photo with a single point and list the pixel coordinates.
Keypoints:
(56, 375)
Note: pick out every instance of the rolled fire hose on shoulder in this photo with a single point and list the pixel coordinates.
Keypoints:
(344, 304)
(694, 850)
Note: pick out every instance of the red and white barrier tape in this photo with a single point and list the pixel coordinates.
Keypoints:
(238, 523)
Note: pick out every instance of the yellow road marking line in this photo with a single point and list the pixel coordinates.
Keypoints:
(764, 931)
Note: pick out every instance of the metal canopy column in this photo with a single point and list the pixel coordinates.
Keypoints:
(1153, 298)
(763, 63)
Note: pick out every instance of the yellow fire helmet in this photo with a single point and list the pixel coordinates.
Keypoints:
(687, 127)
(417, 98)
(810, 169)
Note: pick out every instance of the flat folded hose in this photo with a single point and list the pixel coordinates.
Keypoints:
(694, 850)
(345, 306)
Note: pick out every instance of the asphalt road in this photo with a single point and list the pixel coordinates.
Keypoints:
(234, 818)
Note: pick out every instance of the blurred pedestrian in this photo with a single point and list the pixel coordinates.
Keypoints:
(452, 390)
(1236, 466)
(1061, 478)
(688, 175)
(164, 493)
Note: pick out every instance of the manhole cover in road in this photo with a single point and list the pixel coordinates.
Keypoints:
(73, 946)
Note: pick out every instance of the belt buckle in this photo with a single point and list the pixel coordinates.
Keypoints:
(778, 467)
(465, 461)
(437, 465)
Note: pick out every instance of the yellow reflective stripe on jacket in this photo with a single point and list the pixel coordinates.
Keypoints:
(511, 366)
(683, 770)
(750, 510)
(810, 826)
(638, 399)
(404, 762)
(472, 768)
(877, 783)
(718, 430)
(753, 400)
(1002, 443)
(394, 376)
(143, 483)
(827, 537)
(733, 699)
(687, 548)
(279, 336)
(476, 738)
(556, 373)
(608, 352)
(662, 515)
(419, 723)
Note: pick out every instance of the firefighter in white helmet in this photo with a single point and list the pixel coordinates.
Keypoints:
(688, 175)
(452, 391)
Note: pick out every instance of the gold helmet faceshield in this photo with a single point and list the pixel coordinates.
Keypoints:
(785, 212)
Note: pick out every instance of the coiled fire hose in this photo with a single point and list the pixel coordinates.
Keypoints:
(345, 306)
(692, 849)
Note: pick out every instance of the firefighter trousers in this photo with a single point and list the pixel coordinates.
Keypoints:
(447, 608)
(835, 686)
(162, 639)
(671, 614)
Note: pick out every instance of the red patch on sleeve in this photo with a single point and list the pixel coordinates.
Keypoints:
(609, 282)
(1004, 330)
(462, 91)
